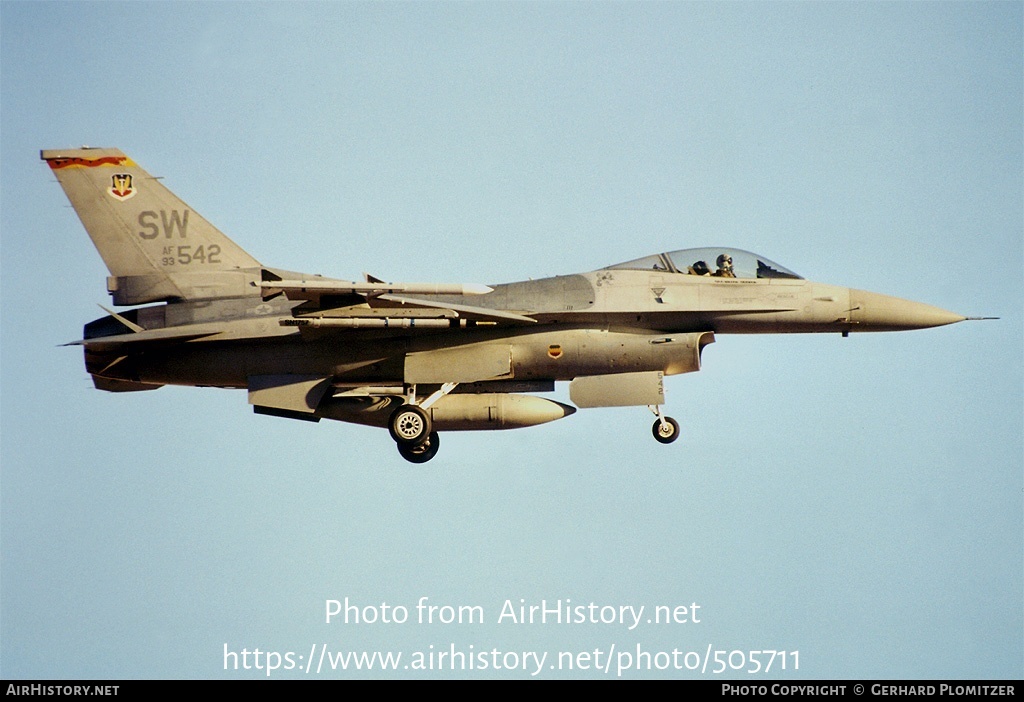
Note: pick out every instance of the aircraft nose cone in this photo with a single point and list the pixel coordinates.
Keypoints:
(874, 312)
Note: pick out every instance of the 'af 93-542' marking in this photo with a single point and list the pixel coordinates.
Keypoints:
(185, 255)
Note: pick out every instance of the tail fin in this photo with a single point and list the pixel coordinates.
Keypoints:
(154, 245)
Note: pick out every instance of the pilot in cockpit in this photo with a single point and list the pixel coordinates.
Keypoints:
(724, 267)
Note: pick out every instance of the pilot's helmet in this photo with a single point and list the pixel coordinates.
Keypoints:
(724, 261)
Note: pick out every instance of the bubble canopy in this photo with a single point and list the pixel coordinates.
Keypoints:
(712, 261)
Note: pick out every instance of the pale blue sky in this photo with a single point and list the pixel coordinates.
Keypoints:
(858, 500)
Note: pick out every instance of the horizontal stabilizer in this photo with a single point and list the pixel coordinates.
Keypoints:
(104, 343)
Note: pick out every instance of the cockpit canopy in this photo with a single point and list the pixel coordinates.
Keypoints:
(714, 262)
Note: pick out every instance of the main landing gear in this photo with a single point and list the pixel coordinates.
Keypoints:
(421, 453)
(409, 425)
(411, 428)
(665, 429)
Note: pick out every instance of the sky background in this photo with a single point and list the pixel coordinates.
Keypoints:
(857, 500)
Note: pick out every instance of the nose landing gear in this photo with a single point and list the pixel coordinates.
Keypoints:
(665, 429)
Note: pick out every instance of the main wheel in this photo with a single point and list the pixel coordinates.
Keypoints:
(666, 432)
(409, 425)
(421, 453)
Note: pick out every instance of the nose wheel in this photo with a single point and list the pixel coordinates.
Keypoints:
(665, 429)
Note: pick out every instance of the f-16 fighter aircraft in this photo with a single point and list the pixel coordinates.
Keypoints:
(420, 358)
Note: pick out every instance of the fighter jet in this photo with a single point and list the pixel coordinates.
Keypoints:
(420, 358)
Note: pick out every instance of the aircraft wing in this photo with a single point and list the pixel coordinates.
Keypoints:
(381, 294)
(315, 288)
(480, 314)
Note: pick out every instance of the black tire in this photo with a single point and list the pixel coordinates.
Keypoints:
(421, 453)
(409, 425)
(666, 433)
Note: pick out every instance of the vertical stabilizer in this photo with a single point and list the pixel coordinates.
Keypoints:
(155, 246)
